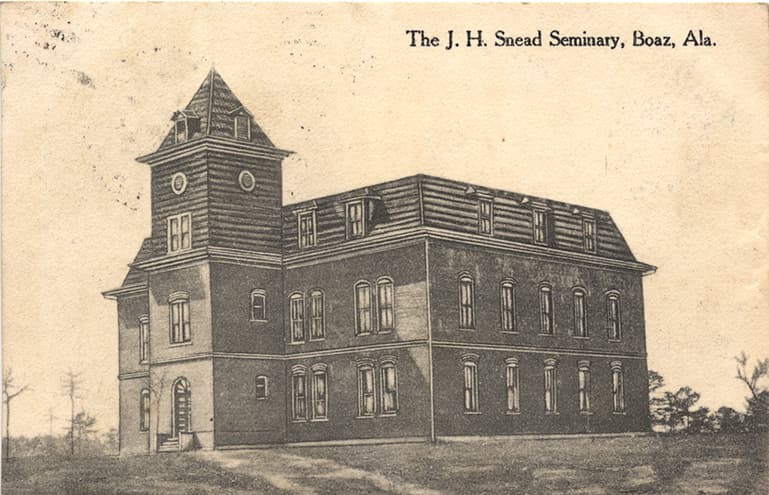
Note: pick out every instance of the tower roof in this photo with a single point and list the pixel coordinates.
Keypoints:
(216, 106)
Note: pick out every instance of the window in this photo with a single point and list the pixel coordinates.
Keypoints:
(513, 386)
(580, 314)
(583, 376)
(507, 305)
(262, 387)
(389, 382)
(356, 225)
(307, 229)
(180, 128)
(242, 127)
(144, 338)
(317, 317)
(613, 316)
(179, 234)
(386, 315)
(144, 410)
(319, 393)
(258, 305)
(470, 366)
(466, 302)
(551, 386)
(362, 308)
(179, 309)
(588, 233)
(485, 216)
(546, 309)
(366, 394)
(617, 387)
(296, 317)
(299, 393)
(539, 219)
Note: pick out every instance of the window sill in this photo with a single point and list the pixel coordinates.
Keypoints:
(146, 361)
(472, 413)
(546, 334)
(579, 337)
(363, 334)
(296, 343)
(318, 339)
(467, 329)
(510, 332)
(586, 413)
(388, 415)
(619, 413)
(319, 420)
(366, 417)
(179, 344)
(552, 413)
(386, 330)
(615, 340)
(513, 413)
(258, 321)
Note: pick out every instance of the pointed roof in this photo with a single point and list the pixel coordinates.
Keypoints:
(215, 105)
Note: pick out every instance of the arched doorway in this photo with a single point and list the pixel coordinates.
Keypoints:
(181, 407)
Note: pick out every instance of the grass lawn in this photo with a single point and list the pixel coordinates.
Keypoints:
(701, 464)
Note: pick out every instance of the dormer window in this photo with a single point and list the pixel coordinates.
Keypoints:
(186, 125)
(242, 127)
(540, 222)
(588, 232)
(356, 219)
(485, 216)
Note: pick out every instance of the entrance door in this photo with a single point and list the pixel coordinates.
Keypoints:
(181, 407)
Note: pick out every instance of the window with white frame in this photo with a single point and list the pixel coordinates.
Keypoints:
(319, 392)
(144, 410)
(258, 305)
(144, 338)
(551, 386)
(179, 316)
(513, 388)
(242, 127)
(618, 387)
(299, 393)
(307, 228)
(466, 302)
(613, 321)
(507, 305)
(366, 390)
(546, 309)
(386, 315)
(588, 234)
(485, 216)
(580, 313)
(317, 315)
(583, 378)
(363, 311)
(356, 219)
(262, 387)
(296, 317)
(180, 128)
(179, 232)
(389, 386)
(540, 226)
(470, 384)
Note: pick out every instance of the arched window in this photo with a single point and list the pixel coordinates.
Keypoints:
(613, 316)
(618, 387)
(296, 317)
(389, 386)
(366, 389)
(144, 338)
(319, 392)
(179, 316)
(583, 377)
(546, 309)
(470, 383)
(466, 302)
(262, 387)
(507, 305)
(580, 313)
(258, 305)
(551, 386)
(144, 410)
(385, 305)
(299, 393)
(362, 308)
(317, 315)
(513, 386)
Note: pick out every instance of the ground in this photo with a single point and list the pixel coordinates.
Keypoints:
(699, 464)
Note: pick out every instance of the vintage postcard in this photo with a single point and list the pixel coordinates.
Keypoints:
(385, 248)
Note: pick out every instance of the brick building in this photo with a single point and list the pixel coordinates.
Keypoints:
(413, 309)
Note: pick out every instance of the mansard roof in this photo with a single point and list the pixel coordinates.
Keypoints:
(215, 105)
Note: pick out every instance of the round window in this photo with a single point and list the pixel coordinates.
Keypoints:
(247, 181)
(178, 182)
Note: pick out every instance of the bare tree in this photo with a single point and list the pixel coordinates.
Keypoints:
(10, 391)
(157, 386)
(760, 370)
(757, 416)
(71, 384)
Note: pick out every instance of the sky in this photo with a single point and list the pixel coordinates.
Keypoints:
(673, 142)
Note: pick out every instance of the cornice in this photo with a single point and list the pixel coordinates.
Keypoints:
(126, 290)
(211, 253)
(212, 143)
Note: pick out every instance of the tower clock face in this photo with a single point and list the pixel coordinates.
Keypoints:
(247, 181)
(178, 183)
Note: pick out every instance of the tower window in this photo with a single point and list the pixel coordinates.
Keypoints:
(262, 387)
(242, 127)
(179, 315)
(258, 305)
(179, 232)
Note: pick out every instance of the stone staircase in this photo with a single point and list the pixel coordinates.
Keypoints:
(169, 445)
